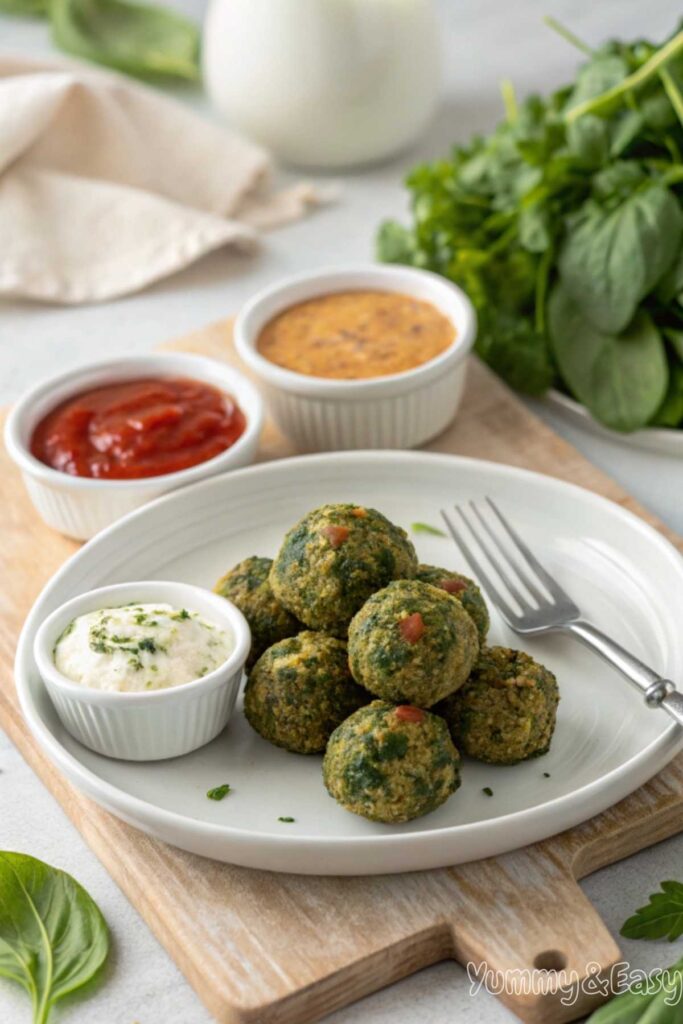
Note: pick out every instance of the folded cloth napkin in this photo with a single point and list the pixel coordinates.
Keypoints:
(106, 186)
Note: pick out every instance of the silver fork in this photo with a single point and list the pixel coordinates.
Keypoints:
(543, 605)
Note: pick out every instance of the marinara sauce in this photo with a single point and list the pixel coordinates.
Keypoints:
(138, 428)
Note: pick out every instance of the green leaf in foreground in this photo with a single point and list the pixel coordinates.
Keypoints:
(662, 918)
(426, 528)
(621, 378)
(657, 1000)
(138, 39)
(53, 938)
(29, 8)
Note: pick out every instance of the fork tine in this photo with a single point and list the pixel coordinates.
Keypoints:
(546, 579)
(514, 565)
(495, 561)
(476, 565)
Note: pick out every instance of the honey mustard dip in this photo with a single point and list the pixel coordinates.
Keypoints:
(356, 335)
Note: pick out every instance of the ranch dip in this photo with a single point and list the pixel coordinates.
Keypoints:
(139, 647)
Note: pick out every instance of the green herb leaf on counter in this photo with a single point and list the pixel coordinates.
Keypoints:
(53, 938)
(573, 202)
(28, 8)
(219, 792)
(656, 1000)
(661, 918)
(138, 39)
(426, 528)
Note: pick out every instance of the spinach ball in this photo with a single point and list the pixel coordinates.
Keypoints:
(463, 589)
(506, 711)
(299, 690)
(390, 763)
(248, 587)
(333, 559)
(412, 643)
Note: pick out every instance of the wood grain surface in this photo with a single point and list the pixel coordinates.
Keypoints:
(287, 949)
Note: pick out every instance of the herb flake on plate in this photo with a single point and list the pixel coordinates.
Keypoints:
(426, 528)
(219, 792)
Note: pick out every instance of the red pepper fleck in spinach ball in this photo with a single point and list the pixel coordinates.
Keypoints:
(248, 587)
(506, 711)
(463, 589)
(299, 691)
(333, 559)
(391, 764)
(411, 642)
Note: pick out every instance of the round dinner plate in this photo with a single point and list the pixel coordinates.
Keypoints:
(652, 439)
(622, 573)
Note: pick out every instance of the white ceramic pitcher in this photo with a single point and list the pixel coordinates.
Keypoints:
(325, 83)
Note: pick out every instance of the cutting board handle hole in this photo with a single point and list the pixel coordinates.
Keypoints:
(550, 960)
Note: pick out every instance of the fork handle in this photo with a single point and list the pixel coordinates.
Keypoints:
(658, 692)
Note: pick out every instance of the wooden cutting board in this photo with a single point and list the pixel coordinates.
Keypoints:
(282, 949)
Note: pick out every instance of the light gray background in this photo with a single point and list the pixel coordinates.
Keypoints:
(483, 42)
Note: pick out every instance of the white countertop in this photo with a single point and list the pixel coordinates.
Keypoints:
(484, 41)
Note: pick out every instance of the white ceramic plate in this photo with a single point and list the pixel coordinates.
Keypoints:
(624, 575)
(652, 439)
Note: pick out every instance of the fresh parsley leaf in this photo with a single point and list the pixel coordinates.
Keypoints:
(661, 918)
(426, 528)
(53, 938)
(219, 792)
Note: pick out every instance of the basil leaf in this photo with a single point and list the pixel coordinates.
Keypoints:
(53, 938)
(621, 378)
(135, 38)
(612, 258)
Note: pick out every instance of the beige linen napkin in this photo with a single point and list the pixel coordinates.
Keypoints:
(107, 186)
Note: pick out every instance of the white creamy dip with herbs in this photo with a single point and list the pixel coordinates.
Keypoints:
(140, 647)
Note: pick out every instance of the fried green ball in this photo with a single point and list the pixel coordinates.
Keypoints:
(463, 589)
(333, 559)
(248, 587)
(412, 643)
(506, 711)
(299, 691)
(391, 764)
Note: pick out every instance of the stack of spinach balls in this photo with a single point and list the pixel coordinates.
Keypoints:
(361, 652)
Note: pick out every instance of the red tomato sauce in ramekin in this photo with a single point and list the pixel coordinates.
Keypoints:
(138, 428)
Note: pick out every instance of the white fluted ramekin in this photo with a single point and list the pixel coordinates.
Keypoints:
(154, 724)
(80, 506)
(396, 411)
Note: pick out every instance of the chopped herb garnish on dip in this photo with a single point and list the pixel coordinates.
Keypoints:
(219, 792)
(426, 528)
(286, 819)
(140, 647)
(487, 790)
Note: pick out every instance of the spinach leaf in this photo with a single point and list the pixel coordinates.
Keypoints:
(670, 414)
(655, 1000)
(621, 378)
(612, 258)
(53, 938)
(135, 38)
